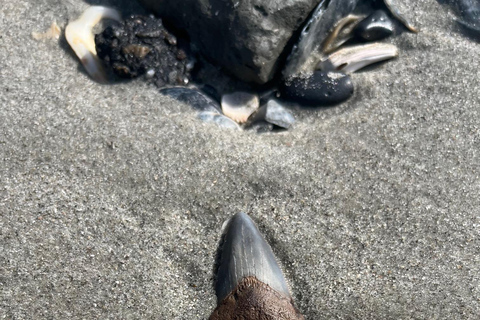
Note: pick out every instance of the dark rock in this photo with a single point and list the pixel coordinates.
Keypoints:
(319, 88)
(245, 37)
(375, 27)
(194, 98)
(141, 45)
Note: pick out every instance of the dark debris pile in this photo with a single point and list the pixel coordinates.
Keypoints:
(141, 45)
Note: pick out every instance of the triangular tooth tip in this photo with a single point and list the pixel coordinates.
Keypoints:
(246, 253)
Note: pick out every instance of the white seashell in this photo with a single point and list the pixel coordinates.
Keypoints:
(80, 37)
(351, 59)
(239, 106)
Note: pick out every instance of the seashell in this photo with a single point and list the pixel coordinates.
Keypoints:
(239, 106)
(325, 16)
(80, 37)
(393, 6)
(342, 32)
(53, 32)
(193, 97)
(351, 59)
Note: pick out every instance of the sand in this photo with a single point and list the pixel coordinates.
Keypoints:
(112, 197)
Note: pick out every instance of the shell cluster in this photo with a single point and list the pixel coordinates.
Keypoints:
(316, 72)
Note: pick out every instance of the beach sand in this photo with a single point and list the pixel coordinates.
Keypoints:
(112, 197)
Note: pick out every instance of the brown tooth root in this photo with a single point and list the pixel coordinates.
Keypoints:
(254, 300)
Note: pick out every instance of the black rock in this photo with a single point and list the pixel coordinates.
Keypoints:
(141, 45)
(320, 88)
(375, 27)
(246, 37)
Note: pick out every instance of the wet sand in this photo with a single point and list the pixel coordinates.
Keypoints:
(112, 197)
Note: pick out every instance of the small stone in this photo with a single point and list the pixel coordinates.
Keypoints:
(319, 88)
(375, 27)
(239, 106)
(218, 119)
(193, 97)
(274, 113)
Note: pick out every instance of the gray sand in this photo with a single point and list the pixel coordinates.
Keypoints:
(112, 198)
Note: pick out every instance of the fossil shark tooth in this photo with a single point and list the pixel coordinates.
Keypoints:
(250, 283)
(80, 37)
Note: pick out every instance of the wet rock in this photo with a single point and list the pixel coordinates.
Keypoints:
(319, 88)
(239, 106)
(218, 119)
(194, 98)
(141, 45)
(375, 27)
(273, 112)
(245, 37)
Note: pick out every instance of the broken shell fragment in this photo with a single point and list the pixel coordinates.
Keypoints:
(376, 26)
(239, 106)
(342, 32)
(53, 32)
(354, 58)
(250, 284)
(80, 37)
(394, 5)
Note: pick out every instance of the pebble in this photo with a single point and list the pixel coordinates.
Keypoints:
(376, 26)
(218, 119)
(274, 113)
(320, 88)
(193, 97)
(239, 106)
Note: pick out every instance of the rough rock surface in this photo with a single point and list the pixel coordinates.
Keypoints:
(246, 37)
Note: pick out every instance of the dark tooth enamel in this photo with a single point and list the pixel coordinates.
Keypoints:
(320, 88)
(375, 27)
(250, 284)
(245, 253)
